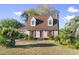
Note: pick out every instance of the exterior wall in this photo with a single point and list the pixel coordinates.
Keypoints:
(52, 32)
(34, 34)
(37, 34)
(45, 34)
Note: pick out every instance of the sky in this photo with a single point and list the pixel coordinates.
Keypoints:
(66, 11)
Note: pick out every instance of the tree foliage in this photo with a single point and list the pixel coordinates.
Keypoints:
(31, 12)
(73, 24)
(40, 10)
(10, 23)
(46, 10)
(67, 34)
(7, 37)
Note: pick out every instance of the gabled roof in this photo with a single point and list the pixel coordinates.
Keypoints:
(42, 23)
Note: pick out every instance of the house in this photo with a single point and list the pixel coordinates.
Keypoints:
(42, 26)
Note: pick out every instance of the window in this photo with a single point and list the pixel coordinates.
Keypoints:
(33, 21)
(50, 21)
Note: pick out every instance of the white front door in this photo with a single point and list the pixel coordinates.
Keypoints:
(37, 34)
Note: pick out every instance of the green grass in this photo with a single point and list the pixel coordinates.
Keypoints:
(38, 47)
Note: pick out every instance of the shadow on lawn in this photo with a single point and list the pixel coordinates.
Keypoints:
(35, 45)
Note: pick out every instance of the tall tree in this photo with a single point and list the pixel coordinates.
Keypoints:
(46, 10)
(10, 23)
(40, 10)
(29, 12)
(73, 25)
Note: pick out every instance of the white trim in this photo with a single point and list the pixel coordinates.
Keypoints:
(50, 18)
(33, 19)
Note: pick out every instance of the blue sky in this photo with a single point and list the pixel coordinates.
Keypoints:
(67, 11)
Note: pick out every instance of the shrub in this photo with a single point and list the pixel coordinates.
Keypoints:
(30, 37)
(76, 46)
(26, 37)
(72, 46)
(21, 35)
(51, 37)
(13, 23)
(17, 35)
(70, 41)
(77, 43)
(7, 42)
(7, 37)
(57, 38)
(60, 39)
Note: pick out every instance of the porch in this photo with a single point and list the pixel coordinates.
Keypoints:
(42, 34)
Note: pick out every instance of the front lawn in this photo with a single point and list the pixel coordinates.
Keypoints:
(37, 47)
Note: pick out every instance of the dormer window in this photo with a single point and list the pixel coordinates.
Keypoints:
(33, 21)
(50, 21)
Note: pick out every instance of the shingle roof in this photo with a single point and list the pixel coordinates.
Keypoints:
(43, 25)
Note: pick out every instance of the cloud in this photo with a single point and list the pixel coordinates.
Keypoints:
(18, 13)
(68, 17)
(72, 9)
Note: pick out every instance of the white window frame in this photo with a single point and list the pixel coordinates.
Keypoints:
(50, 18)
(33, 19)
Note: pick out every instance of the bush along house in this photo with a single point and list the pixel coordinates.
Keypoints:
(41, 26)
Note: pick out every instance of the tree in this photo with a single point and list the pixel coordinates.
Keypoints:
(68, 32)
(72, 25)
(46, 10)
(10, 23)
(40, 10)
(29, 12)
(8, 36)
